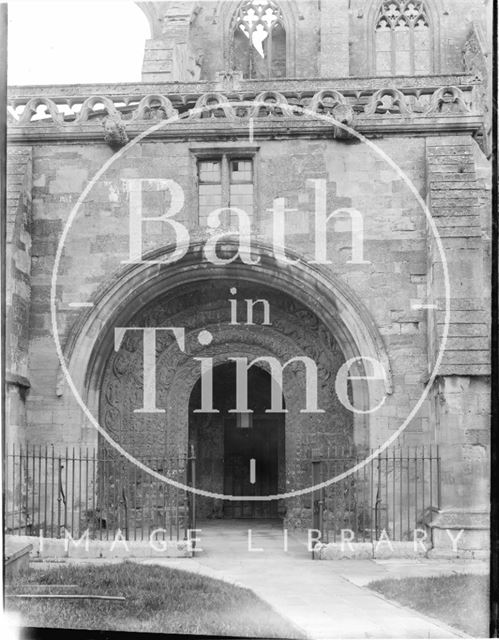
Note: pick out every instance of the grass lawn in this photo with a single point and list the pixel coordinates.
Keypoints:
(461, 601)
(158, 599)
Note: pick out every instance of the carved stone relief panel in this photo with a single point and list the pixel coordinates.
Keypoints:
(294, 330)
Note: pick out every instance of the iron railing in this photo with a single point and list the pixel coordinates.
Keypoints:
(49, 491)
(396, 492)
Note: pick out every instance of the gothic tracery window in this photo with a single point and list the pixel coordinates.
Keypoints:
(259, 40)
(403, 38)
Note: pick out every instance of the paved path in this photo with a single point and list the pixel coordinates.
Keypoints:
(324, 599)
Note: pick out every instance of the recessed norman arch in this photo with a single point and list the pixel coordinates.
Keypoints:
(339, 311)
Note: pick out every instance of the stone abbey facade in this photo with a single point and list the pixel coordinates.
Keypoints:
(366, 108)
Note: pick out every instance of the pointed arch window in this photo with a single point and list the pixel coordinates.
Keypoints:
(259, 40)
(403, 38)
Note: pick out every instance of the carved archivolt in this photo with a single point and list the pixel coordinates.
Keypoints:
(295, 331)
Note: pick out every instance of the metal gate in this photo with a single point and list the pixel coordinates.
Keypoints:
(49, 491)
(396, 492)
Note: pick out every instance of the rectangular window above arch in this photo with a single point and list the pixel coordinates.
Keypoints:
(225, 178)
(241, 184)
(209, 187)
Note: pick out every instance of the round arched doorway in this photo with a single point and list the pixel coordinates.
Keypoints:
(310, 315)
(200, 308)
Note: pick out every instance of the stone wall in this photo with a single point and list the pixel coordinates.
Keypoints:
(459, 197)
(205, 26)
(398, 283)
(458, 193)
(449, 171)
(18, 293)
(331, 39)
(170, 56)
(98, 242)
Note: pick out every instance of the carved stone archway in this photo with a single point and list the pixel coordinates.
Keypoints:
(294, 331)
(199, 306)
(341, 319)
(313, 314)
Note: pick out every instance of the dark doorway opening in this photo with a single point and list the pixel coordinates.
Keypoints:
(251, 466)
(238, 454)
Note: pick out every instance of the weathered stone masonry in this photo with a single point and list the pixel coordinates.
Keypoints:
(434, 127)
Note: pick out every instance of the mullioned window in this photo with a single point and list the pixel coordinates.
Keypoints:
(403, 38)
(259, 40)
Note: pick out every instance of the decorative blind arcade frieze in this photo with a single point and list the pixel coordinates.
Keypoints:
(63, 112)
